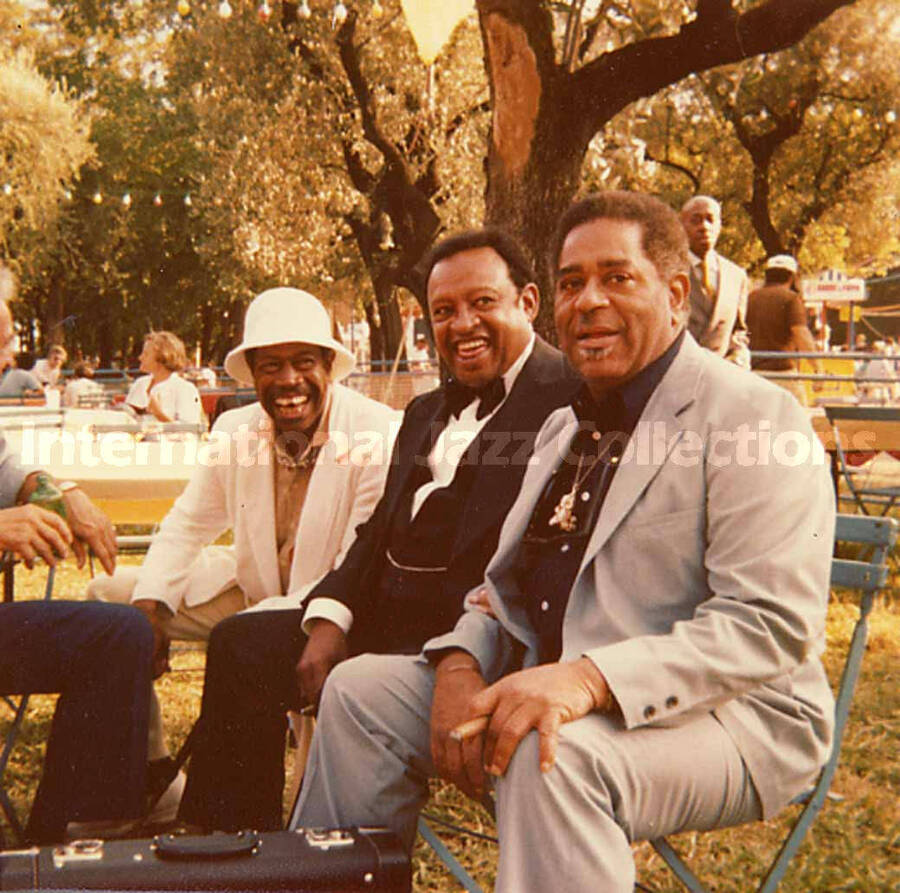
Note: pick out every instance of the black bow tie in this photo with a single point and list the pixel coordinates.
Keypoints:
(458, 396)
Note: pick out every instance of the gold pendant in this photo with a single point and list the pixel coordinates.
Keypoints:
(563, 514)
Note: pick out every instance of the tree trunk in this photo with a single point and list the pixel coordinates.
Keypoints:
(545, 116)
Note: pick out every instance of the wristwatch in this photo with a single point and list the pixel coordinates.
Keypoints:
(65, 486)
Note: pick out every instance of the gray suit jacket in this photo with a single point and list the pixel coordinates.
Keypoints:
(720, 325)
(705, 581)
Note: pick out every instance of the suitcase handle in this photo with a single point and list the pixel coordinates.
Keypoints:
(195, 848)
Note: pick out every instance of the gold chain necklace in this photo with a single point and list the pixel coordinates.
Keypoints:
(564, 513)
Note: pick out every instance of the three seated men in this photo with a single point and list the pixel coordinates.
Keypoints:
(664, 570)
(459, 460)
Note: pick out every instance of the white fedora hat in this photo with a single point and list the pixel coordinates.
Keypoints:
(282, 316)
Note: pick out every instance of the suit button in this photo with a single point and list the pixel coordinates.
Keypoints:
(671, 702)
(649, 712)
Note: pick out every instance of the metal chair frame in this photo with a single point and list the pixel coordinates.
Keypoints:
(876, 536)
(882, 498)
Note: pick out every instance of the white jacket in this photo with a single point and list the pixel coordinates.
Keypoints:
(233, 490)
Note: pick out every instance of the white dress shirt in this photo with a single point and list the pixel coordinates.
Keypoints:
(443, 462)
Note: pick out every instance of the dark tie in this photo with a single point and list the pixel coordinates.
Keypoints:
(458, 396)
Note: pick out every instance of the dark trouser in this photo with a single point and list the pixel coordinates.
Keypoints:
(98, 658)
(236, 774)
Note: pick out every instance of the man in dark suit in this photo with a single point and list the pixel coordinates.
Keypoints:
(457, 466)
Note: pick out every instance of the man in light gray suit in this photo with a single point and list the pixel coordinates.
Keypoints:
(719, 287)
(664, 572)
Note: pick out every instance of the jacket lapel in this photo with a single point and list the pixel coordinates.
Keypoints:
(327, 484)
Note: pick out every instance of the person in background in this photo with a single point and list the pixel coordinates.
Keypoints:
(776, 317)
(49, 370)
(82, 389)
(719, 287)
(17, 381)
(162, 392)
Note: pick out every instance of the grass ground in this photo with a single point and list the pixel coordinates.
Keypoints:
(854, 845)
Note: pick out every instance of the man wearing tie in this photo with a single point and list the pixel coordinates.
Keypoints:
(719, 287)
(457, 465)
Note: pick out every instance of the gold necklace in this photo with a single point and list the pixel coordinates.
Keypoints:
(564, 513)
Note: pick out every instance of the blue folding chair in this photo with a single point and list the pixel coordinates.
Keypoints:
(864, 495)
(868, 573)
(18, 707)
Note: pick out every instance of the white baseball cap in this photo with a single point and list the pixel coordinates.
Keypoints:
(782, 262)
(281, 316)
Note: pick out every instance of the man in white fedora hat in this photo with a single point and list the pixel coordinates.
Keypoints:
(302, 468)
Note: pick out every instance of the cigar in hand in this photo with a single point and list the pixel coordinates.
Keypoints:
(470, 728)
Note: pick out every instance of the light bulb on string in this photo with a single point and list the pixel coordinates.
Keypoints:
(264, 11)
(97, 198)
(303, 10)
(157, 200)
(338, 15)
(184, 8)
(7, 189)
(225, 10)
(377, 10)
(67, 195)
(126, 199)
(187, 200)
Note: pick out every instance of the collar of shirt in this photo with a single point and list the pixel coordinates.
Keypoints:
(711, 257)
(620, 408)
(458, 434)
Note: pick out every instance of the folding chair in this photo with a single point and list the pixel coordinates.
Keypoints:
(876, 537)
(867, 574)
(862, 420)
(18, 709)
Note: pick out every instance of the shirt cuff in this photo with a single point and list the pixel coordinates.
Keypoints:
(328, 609)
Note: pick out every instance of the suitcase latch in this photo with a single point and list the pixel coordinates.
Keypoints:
(87, 850)
(326, 838)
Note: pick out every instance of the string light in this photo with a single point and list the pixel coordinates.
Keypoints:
(126, 199)
(225, 10)
(339, 14)
(377, 10)
(303, 10)
(157, 200)
(187, 201)
(184, 8)
(264, 11)
(7, 189)
(97, 197)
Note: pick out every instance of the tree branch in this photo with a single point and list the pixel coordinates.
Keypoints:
(718, 36)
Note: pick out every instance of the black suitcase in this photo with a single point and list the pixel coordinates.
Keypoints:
(355, 859)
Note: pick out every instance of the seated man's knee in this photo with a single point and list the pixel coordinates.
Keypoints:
(233, 635)
(361, 680)
(116, 589)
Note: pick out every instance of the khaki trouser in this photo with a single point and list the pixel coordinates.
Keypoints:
(191, 623)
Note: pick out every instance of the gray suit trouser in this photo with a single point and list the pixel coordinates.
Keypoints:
(568, 829)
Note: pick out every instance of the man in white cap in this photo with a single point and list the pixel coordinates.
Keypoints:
(776, 318)
(293, 476)
(718, 300)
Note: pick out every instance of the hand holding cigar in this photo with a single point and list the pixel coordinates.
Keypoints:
(470, 728)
